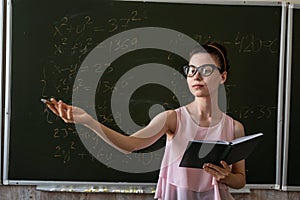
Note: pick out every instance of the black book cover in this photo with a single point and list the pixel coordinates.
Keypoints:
(199, 152)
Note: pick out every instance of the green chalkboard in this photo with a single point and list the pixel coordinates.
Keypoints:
(293, 147)
(51, 41)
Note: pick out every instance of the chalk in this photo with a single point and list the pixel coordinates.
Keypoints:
(45, 101)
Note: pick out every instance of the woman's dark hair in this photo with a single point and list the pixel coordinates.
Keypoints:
(215, 49)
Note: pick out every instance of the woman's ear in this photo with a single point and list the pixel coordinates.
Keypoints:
(223, 77)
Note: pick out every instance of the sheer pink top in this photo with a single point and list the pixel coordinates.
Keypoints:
(180, 183)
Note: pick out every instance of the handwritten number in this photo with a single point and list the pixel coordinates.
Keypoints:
(113, 23)
(134, 16)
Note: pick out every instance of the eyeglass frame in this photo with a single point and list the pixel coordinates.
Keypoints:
(197, 69)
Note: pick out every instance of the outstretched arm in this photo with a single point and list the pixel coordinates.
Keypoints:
(161, 124)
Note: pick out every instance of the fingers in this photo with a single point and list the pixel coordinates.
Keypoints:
(65, 112)
(52, 105)
(225, 166)
(218, 172)
(212, 169)
(70, 113)
(61, 109)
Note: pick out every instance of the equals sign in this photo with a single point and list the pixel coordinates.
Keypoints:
(98, 29)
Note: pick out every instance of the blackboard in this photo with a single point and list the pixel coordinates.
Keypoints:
(50, 42)
(293, 164)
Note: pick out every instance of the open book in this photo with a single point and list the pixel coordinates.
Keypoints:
(199, 152)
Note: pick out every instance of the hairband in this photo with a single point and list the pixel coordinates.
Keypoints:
(210, 45)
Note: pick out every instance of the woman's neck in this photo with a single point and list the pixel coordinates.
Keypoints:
(206, 106)
(205, 111)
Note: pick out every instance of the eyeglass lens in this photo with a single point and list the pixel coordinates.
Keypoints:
(204, 70)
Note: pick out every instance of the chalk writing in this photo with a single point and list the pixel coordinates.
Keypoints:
(254, 111)
(244, 42)
(123, 23)
(64, 153)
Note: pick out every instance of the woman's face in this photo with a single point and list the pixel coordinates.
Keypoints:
(205, 86)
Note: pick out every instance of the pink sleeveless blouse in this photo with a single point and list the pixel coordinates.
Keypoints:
(180, 183)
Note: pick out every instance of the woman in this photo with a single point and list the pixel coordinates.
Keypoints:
(201, 119)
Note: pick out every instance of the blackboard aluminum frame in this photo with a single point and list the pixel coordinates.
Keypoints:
(285, 187)
(280, 100)
(218, 2)
(1, 74)
(146, 186)
(7, 93)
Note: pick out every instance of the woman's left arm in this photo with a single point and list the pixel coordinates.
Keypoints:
(235, 176)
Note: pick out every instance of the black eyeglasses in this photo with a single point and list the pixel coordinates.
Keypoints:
(204, 70)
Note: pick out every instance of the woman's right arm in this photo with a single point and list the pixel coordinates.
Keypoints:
(164, 122)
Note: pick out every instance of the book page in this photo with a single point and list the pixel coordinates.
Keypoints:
(245, 138)
(212, 142)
